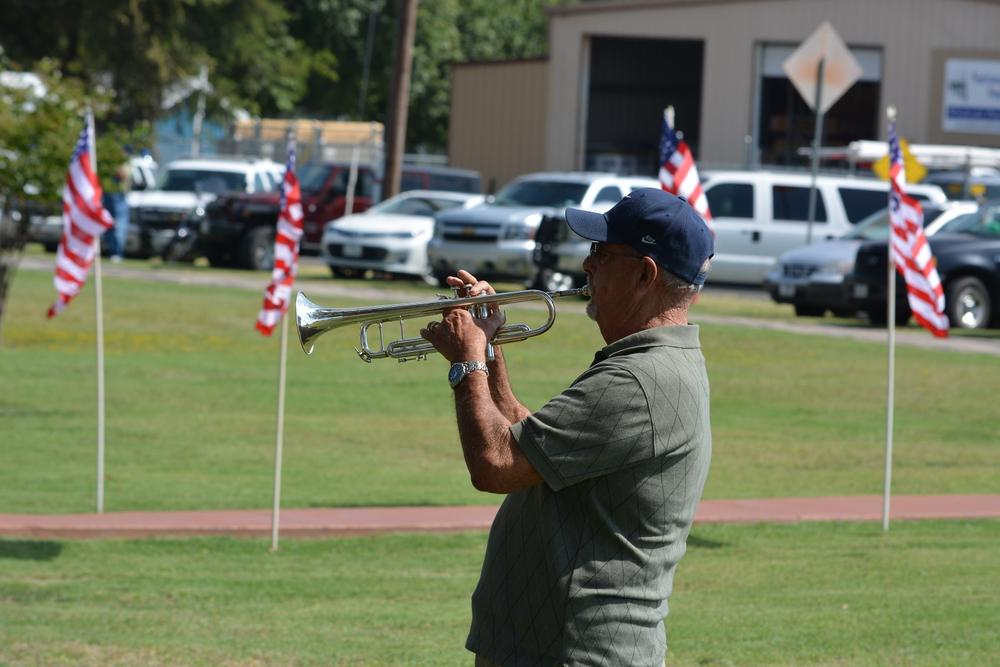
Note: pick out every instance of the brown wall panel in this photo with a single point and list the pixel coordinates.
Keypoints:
(498, 113)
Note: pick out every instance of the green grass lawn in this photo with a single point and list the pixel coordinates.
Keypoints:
(191, 409)
(800, 594)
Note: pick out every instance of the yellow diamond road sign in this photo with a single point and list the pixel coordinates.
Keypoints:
(915, 171)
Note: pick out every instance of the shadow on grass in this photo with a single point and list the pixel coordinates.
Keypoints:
(696, 542)
(30, 549)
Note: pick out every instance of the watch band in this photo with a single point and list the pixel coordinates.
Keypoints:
(460, 369)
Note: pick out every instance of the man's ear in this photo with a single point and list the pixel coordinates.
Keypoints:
(650, 274)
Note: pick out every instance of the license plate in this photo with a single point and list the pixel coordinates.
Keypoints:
(352, 251)
(786, 290)
(861, 291)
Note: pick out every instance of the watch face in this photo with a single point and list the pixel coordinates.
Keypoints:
(456, 373)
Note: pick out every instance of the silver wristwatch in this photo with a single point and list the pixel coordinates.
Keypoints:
(460, 369)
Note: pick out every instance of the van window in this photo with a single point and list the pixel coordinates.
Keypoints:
(609, 193)
(731, 200)
(859, 204)
(791, 204)
(259, 185)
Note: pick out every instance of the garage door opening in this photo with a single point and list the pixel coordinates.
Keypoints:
(631, 81)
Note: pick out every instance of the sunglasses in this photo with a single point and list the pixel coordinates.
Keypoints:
(598, 250)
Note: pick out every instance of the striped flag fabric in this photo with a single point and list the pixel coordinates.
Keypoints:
(909, 248)
(286, 249)
(678, 173)
(84, 220)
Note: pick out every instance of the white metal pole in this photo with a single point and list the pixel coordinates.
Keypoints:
(817, 142)
(99, 290)
(891, 380)
(280, 432)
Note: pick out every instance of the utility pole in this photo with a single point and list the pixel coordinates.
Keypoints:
(396, 139)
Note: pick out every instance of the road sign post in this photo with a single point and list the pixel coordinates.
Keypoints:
(822, 69)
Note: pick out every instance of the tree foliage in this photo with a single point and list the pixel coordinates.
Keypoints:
(270, 57)
(139, 48)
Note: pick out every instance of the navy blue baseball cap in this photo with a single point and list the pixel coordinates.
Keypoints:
(656, 224)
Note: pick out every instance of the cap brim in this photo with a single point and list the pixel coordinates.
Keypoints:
(588, 224)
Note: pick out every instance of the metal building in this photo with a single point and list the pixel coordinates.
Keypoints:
(614, 65)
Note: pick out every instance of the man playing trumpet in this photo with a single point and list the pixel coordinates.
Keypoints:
(602, 482)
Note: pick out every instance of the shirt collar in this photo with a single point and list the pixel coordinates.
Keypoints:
(681, 336)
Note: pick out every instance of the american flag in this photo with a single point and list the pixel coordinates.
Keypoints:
(910, 250)
(84, 219)
(286, 249)
(678, 173)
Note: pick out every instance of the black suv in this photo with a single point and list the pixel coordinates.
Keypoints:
(968, 263)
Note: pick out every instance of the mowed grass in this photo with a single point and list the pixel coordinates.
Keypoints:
(800, 594)
(191, 391)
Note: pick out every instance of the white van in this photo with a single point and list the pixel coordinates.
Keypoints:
(759, 215)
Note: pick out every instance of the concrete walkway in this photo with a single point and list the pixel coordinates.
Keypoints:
(370, 520)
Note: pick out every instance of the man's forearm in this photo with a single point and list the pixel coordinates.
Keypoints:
(501, 391)
(492, 455)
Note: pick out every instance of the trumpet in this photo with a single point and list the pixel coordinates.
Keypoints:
(313, 320)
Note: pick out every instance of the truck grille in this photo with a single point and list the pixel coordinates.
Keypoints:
(470, 233)
(797, 270)
(155, 218)
(367, 252)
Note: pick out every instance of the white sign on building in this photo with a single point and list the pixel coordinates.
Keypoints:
(971, 96)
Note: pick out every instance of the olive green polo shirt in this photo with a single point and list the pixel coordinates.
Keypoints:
(578, 569)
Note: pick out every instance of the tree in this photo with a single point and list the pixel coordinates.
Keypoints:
(38, 130)
(139, 48)
(448, 31)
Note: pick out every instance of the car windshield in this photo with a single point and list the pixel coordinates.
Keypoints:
(202, 180)
(426, 206)
(876, 226)
(312, 176)
(556, 194)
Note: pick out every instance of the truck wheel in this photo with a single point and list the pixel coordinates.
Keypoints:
(257, 249)
(967, 303)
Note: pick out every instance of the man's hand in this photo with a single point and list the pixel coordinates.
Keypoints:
(459, 336)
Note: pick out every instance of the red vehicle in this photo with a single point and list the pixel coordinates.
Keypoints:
(238, 229)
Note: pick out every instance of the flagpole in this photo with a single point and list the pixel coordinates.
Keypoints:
(280, 432)
(99, 290)
(891, 329)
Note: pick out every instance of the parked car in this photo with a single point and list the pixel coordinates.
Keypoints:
(239, 228)
(47, 225)
(968, 263)
(811, 278)
(185, 189)
(759, 215)
(391, 236)
(496, 240)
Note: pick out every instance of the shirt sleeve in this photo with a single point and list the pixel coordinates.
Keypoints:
(599, 425)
